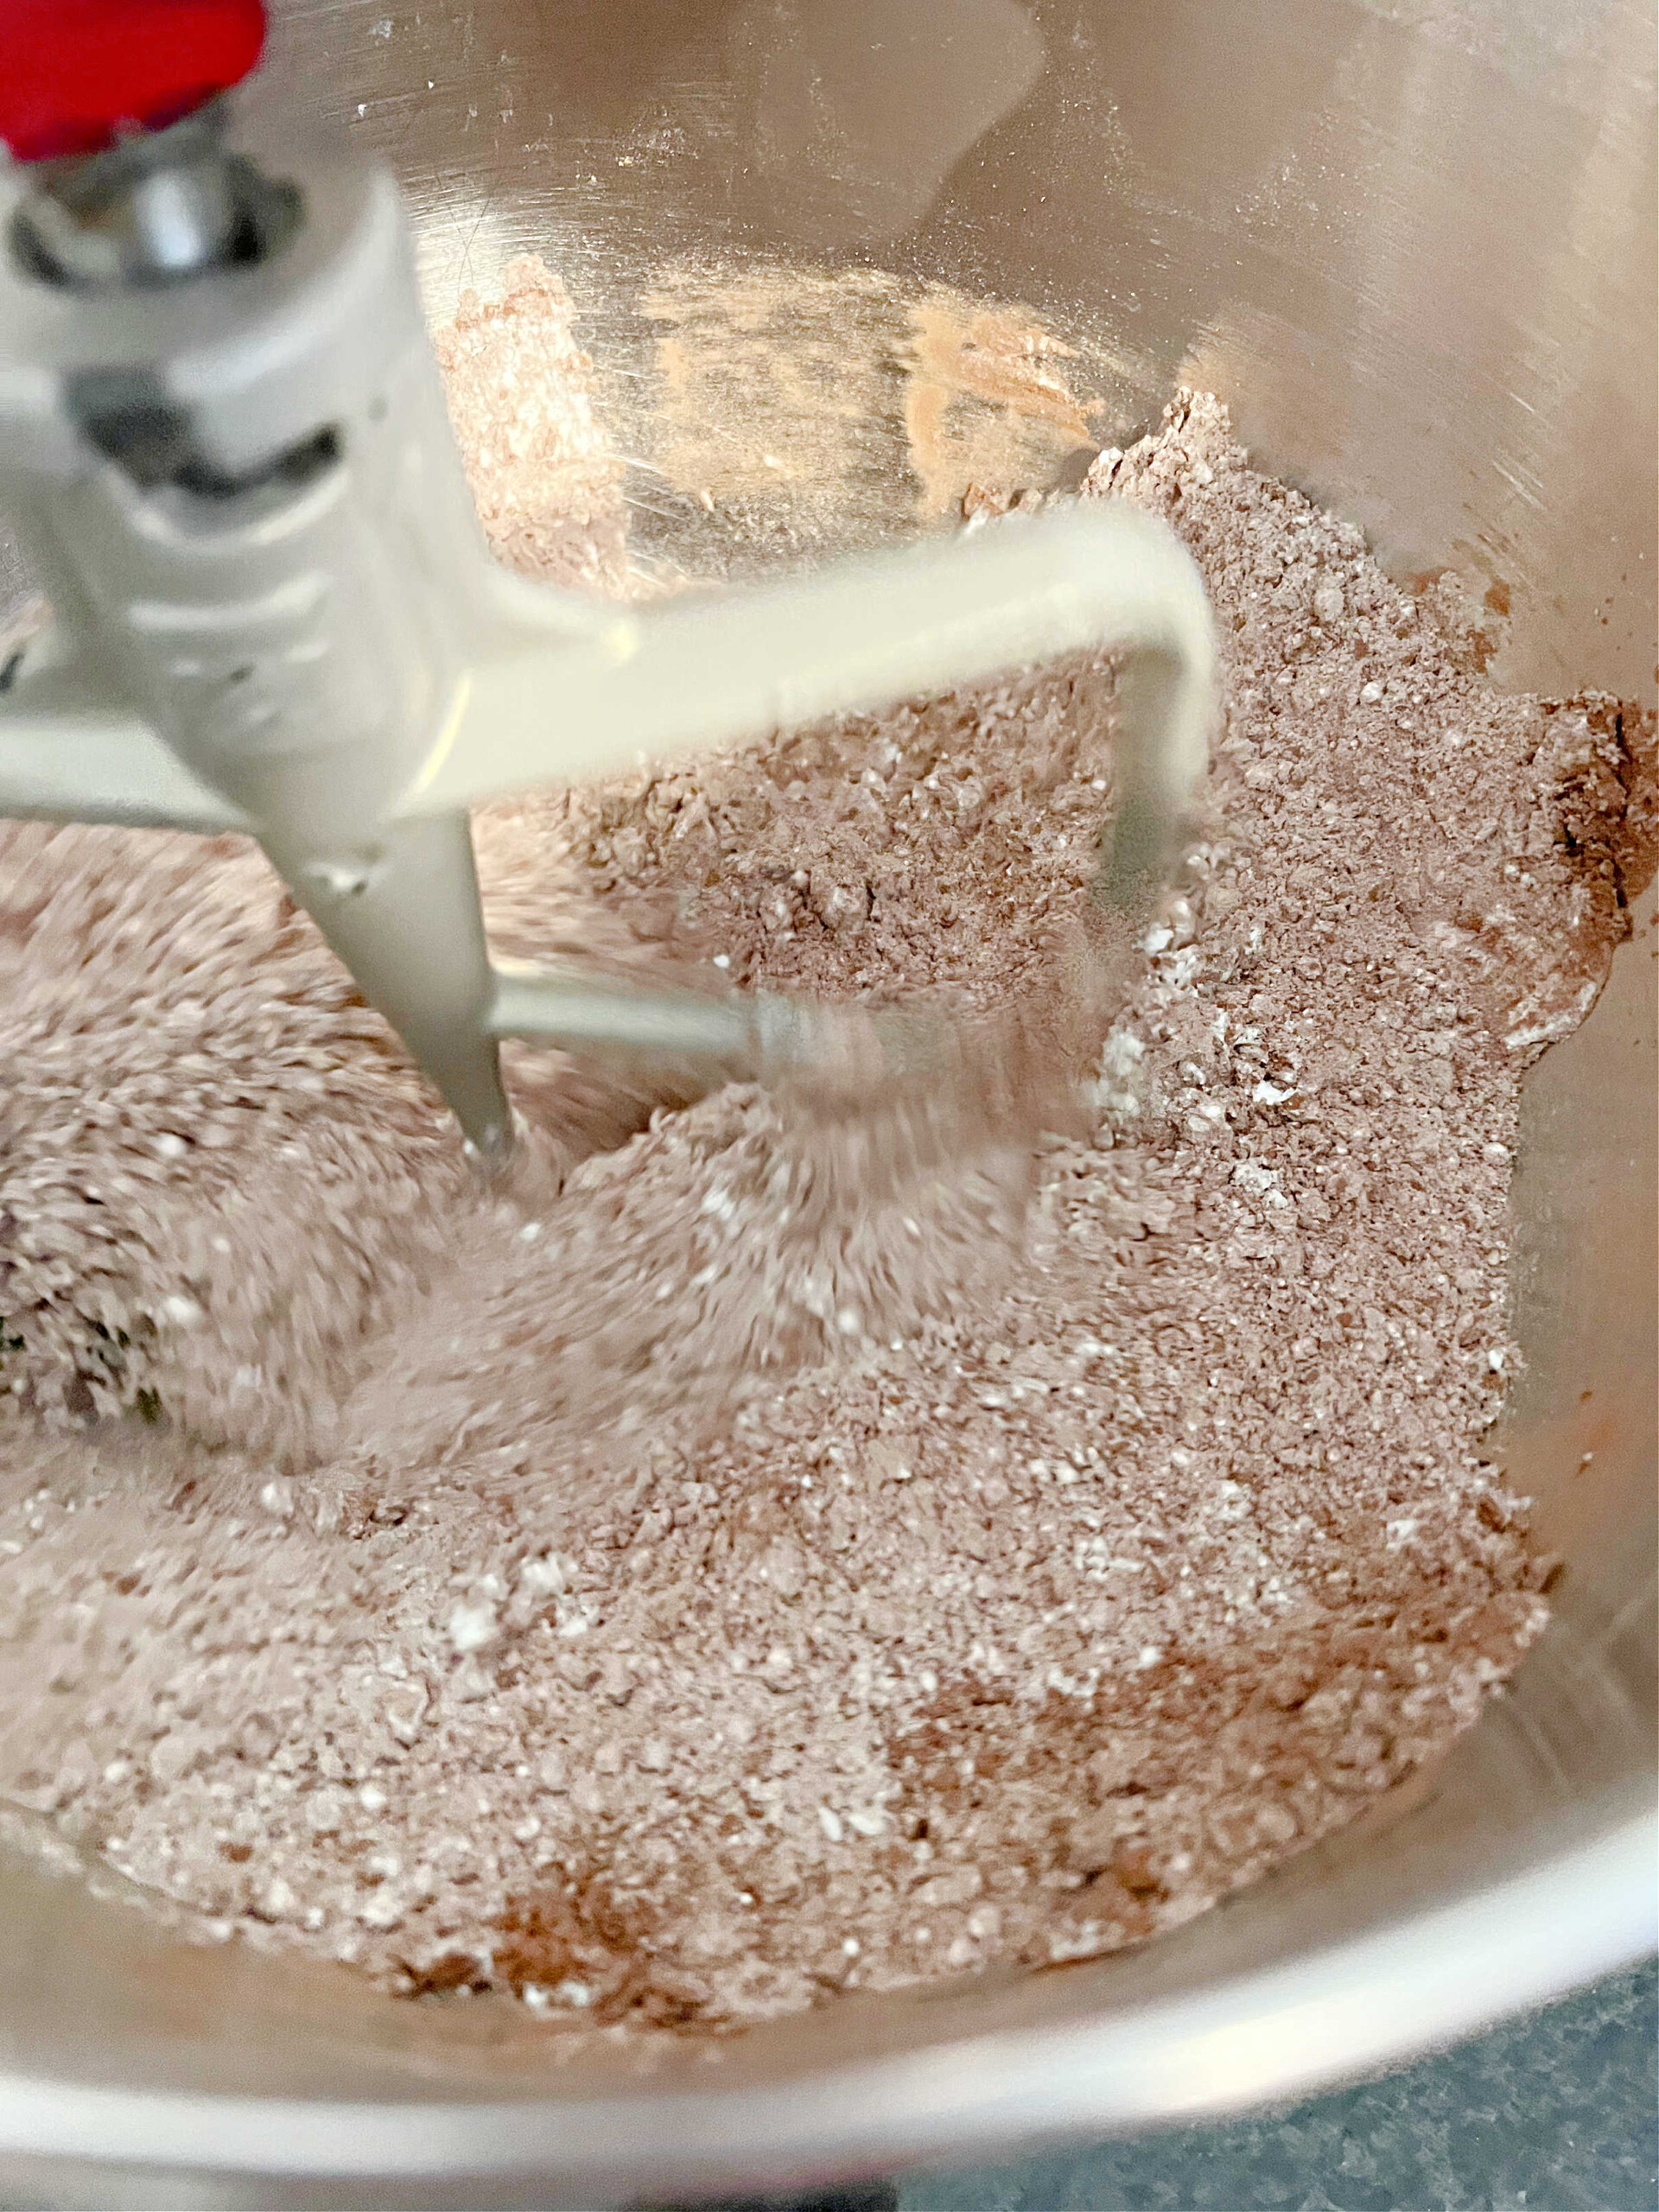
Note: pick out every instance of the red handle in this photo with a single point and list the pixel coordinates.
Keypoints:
(75, 75)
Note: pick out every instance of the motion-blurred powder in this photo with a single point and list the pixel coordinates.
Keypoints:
(659, 1596)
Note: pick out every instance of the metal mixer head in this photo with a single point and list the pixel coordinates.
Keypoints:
(224, 444)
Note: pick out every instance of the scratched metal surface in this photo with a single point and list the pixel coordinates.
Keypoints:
(1412, 241)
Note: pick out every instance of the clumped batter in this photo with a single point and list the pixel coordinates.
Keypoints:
(671, 1592)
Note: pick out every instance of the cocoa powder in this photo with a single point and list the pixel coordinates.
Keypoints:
(674, 1591)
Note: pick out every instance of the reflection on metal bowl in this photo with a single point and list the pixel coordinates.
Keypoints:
(1412, 248)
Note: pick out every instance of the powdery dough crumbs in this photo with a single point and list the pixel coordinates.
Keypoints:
(578, 1654)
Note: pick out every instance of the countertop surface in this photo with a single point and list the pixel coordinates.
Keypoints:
(1555, 2113)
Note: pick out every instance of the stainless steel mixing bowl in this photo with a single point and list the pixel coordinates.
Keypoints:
(1412, 243)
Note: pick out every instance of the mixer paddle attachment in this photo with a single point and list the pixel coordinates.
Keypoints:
(226, 452)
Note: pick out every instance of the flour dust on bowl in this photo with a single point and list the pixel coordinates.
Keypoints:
(1408, 263)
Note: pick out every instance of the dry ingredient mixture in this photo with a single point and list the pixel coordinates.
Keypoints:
(658, 1597)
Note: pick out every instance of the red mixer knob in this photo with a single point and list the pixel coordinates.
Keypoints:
(76, 75)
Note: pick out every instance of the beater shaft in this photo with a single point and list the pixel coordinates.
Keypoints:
(275, 612)
(411, 930)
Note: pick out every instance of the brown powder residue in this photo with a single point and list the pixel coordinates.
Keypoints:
(987, 400)
(770, 380)
(548, 487)
(652, 1631)
(812, 404)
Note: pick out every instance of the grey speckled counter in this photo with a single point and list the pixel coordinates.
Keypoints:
(1557, 2112)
